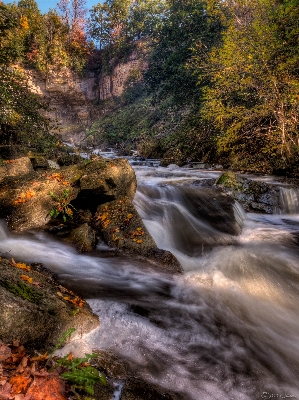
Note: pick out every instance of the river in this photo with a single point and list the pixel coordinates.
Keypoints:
(228, 328)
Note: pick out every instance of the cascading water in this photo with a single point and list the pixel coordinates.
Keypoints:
(226, 329)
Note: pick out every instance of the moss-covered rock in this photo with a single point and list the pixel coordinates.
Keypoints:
(121, 227)
(36, 309)
(254, 195)
(84, 237)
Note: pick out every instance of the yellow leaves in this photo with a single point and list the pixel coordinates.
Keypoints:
(24, 197)
(103, 218)
(134, 235)
(128, 218)
(20, 265)
(24, 22)
(105, 224)
(27, 278)
(76, 300)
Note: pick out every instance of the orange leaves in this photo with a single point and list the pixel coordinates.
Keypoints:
(49, 387)
(57, 176)
(20, 265)
(103, 218)
(76, 300)
(23, 378)
(27, 278)
(134, 234)
(19, 383)
(24, 197)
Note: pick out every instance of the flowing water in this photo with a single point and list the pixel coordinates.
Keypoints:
(228, 328)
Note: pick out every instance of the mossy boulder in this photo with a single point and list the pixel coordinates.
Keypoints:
(84, 237)
(121, 227)
(254, 195)
(35, 309)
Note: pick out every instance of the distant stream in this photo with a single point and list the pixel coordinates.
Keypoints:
(226, 329)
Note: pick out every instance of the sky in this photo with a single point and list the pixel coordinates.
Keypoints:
(45, 5)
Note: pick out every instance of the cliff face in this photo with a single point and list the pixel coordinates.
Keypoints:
(73, 98)
(114, 84)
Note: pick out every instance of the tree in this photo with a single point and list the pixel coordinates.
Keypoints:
(252, 99)
(185, 24)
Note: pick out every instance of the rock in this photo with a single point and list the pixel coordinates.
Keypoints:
(36, 309)
(254, 195)
(16, 167)
(50, 201)
(84, 237)
(27, 203)
(133, 387)
(39, 162)
(117, 177)
(53, 164)
(120, 226)
(68, 159)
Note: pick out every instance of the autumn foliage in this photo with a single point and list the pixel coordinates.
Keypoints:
(26, 378)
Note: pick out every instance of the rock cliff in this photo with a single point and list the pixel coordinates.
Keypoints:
(74, 99)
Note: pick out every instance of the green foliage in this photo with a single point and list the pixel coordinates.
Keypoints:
(60, 342)
(252, 96)
(21, 117)
(22, 290)
(77, 371)
(185, 24)
(63, 206)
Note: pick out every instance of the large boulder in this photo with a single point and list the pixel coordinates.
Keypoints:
(121, 227)
(30, 202)
(35, 309)
(254, 195)
(133, 387)
(72, 203)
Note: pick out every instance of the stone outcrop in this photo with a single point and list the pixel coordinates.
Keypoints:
(72, 97)
(112, 85)
(254, 195)
(35, 309)
(80, 203)
(133, 387)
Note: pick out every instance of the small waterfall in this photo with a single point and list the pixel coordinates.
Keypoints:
(289, 200)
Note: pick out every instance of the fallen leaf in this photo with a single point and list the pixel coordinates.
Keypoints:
(51, 387)
(40, 357)
(19, 383)
(22, 266)
(27, 278)
(5, 352)
(5, 391)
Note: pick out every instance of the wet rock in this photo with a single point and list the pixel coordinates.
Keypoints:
(132, 387)
(51, 200)
(84, 237)
(120, 226)
(27, 203)
(254, 195)
(36, 309)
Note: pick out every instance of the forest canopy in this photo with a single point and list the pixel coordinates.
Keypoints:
(221, 82)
